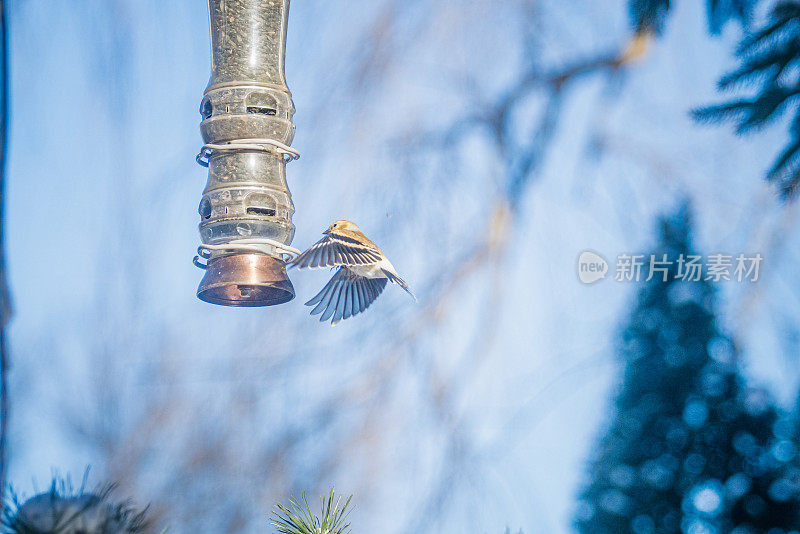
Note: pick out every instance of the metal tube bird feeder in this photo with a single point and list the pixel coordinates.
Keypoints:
(246, 209)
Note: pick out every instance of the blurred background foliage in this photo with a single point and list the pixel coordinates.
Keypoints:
(690, 448)
(482, 145)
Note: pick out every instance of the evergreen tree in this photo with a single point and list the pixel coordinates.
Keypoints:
(768, 59)
(689, 448)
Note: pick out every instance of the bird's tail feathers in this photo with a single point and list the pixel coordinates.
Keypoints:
(395, 279)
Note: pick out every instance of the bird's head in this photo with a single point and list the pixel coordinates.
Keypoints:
(343, 225)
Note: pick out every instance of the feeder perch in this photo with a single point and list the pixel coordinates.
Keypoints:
(246, 209)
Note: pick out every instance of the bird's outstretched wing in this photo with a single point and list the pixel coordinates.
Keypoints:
(345, 295)
(395, 279)
(334, 250)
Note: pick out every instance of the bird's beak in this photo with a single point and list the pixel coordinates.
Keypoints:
(327, 232)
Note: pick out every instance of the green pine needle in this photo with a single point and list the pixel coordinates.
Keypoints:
(299, 519)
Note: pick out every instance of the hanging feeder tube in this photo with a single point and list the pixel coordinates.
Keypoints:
(246, 208)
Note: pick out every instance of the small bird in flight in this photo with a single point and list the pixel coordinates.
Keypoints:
(362, 275)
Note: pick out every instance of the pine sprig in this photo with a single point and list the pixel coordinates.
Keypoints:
(768, 60)
(63, 510)
(298, 518)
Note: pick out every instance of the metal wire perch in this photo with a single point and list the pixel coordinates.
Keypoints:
(270, 247)
(270, 146)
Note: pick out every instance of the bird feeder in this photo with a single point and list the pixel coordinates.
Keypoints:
(246, 209)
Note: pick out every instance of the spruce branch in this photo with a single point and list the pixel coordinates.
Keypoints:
(650, 15)
(298, 518)
(721, 11)
(770, 63)
(786, 169)
(750, 114)
(768, 60)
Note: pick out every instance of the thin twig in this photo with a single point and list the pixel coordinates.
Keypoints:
(523, 161)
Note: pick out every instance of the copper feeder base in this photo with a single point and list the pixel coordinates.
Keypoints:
(245, 280)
